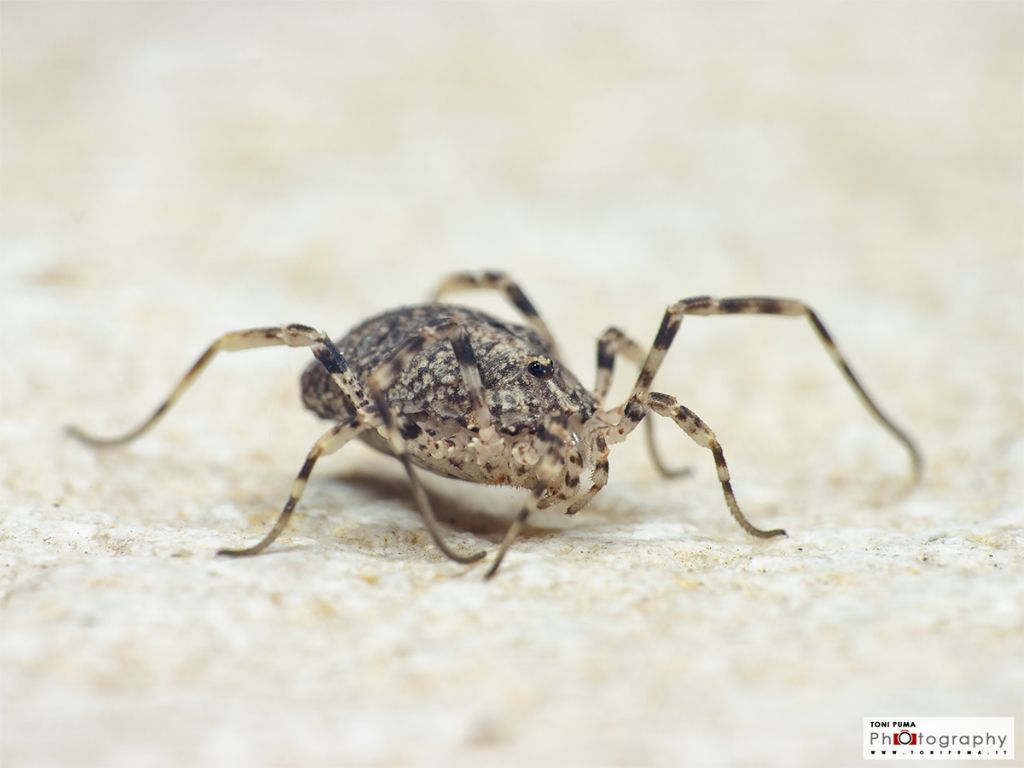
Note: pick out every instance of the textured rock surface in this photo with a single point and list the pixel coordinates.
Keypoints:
(170, 172)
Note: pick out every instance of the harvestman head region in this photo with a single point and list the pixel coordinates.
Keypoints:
(462, 394)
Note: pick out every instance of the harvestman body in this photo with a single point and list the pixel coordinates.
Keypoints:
(465, 395)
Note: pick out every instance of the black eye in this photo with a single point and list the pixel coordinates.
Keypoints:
(542, 369)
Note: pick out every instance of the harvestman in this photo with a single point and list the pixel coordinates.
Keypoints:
(462, 394)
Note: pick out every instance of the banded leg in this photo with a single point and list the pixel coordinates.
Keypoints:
(329, 442)
(569, 485)
(612, 343)
(550, 467)
(598, 478)
(633, 409)
(570, 464)
(381, 380)
(499, 281)
(702, 435)
(284, 335)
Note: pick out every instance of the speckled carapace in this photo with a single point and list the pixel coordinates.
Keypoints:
(465, 395)
(521, 386)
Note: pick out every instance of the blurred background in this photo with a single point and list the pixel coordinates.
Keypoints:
(170, 171)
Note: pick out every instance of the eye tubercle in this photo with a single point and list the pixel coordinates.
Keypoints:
(541, 367)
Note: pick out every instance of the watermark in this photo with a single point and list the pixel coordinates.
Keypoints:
(938, 738)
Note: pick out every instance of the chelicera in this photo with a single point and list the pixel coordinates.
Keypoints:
(462, 394)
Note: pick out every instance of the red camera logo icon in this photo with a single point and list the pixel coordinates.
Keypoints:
(904, 738)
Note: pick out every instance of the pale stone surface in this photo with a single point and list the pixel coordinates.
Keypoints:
(170, 172)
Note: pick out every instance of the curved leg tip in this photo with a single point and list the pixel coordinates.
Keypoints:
(82, 436)
(676, 472)
(247, 552)
(493, 570)
(763, 534)
(462, 559)
(77, 433)
(475, 557)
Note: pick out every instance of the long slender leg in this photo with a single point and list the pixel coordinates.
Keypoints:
(284, 335)
(329, 442)
(498, 281)
(382, 378)
(612, 343)
(633, 410)
(555, 435)
(513, 531)
(701, 434)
